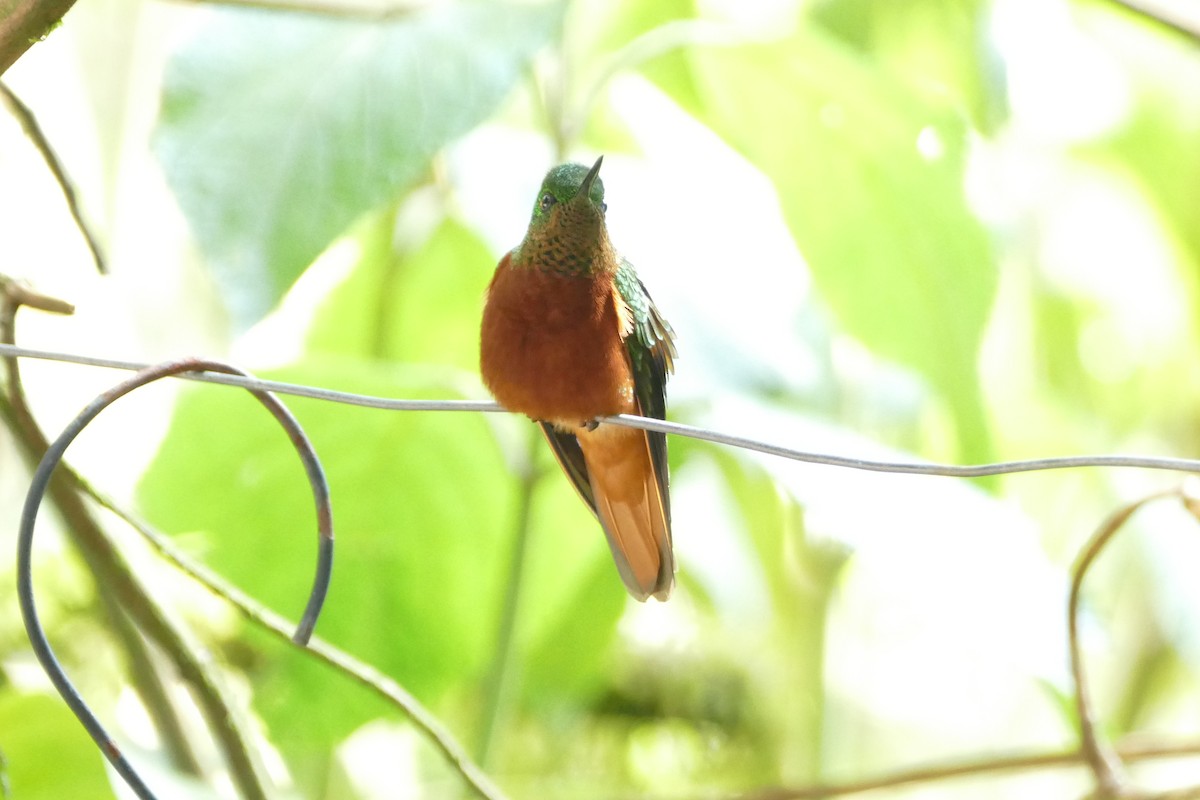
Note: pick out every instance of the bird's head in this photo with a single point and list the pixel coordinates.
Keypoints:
(571, 195)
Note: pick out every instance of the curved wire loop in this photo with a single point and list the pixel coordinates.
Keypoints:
(37, 491)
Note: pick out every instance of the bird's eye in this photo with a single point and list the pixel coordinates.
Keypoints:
(603, 207)
(547, 201)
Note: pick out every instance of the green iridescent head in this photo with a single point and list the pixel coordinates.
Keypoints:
(567, 185)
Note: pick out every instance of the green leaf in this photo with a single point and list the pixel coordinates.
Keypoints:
(48, 753)
(942, 47)
(421, 508)
(871, 183)
(277, 131)
(415, 305)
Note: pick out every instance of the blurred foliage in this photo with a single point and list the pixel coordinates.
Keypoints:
(928, 265)
(943, 229)
(38, 731)
(271, 163)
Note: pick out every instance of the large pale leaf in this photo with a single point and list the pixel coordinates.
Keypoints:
(421, 505)
(871, 183)
(279, 130)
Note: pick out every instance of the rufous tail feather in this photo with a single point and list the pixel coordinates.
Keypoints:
(630, 506)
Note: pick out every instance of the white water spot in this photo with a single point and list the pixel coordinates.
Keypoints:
(930, 144)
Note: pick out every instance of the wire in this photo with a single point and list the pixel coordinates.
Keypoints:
(911, 467)
(225, 374)
(257, 384)
(632, 421)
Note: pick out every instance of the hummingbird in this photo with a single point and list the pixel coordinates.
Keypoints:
(569, 335)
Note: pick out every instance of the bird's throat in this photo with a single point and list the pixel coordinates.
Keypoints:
(575, 250)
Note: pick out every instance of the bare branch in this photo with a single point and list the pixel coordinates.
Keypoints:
(33, 130)
(1178, 17)
(1097, 752)
(21, 293)
(991, 765)
(23, 23)
(1102, 759)
(377, 10)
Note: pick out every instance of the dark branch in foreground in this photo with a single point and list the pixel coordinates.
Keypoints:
(24, 23)
(1177, 17)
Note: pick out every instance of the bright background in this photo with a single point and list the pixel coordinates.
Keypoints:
(956, 230)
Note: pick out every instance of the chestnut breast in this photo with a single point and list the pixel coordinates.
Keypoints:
(552, 345)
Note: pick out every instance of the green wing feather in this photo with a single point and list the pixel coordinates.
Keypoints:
(651, 347)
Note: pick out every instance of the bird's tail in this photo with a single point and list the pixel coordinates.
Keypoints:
(631, 508)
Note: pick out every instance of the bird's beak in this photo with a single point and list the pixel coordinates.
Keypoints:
(585, 188)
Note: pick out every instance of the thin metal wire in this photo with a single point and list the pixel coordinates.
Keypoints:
(37, 490)
(910, 467)
(632, 421)
(256, 384)
(218, 372)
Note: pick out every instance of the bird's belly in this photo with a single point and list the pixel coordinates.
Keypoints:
(573, 387)
(560, 361)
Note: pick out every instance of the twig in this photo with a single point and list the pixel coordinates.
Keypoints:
(20, 293)
(1101, 758)
(1178, 17)
(965, 769)
(151, 688)
(645, 423)
(34, 131)
(1189, 793)
(361, 673)
(379, 12)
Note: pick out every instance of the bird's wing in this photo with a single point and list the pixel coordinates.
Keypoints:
(651, 347)
(570, 458)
